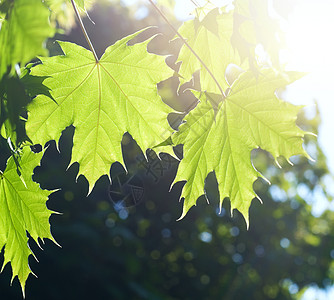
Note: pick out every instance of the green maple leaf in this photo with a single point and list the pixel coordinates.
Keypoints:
(220, 138)
(210, 39)
(23, 209)
(253, 26)
(103, 100)
(23, 33)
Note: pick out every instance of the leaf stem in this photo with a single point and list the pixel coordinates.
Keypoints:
(194, 2)
(83, 29)
(190, 48)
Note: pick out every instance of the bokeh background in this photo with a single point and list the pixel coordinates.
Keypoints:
(123, 240)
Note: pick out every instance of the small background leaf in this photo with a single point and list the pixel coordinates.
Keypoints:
(23, 33)
(23, 209)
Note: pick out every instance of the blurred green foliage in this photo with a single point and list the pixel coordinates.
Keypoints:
(141, 252)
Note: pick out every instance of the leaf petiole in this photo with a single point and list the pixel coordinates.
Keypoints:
(83, 29)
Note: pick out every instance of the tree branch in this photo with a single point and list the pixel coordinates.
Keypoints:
(190, 48)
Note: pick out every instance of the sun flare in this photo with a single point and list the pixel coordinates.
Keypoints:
(310, 48)
(310, 38)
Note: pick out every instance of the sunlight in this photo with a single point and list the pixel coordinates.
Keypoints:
(184, 8)
(310, 38)
(310, 43)
(310, 48)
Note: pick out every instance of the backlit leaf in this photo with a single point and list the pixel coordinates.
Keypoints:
(23, 209)
(210, 39)
(253, 26)
(23, 32)
(103, 100)
(221, 140)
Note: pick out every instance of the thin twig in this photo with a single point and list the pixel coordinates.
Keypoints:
(194, 2)
(190, 48)
(83, 29)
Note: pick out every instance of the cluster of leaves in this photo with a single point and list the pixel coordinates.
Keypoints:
(22, 201)
(237, 109)
(140, 252)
